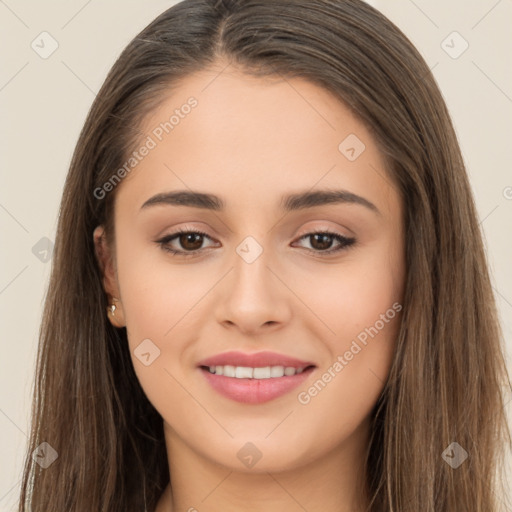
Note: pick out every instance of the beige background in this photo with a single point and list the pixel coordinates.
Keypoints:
(44, 103)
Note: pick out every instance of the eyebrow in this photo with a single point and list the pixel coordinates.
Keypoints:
(292, 202)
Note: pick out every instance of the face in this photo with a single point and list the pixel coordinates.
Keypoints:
(258, 279)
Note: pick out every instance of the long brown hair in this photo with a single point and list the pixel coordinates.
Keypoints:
(448, 375)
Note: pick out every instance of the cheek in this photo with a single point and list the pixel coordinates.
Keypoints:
(360, 306)
(157, 293)
(158, 304)
(364, 310)
(353, 295)
(349, 382)
(166, 303)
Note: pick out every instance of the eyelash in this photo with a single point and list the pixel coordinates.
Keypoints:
(345, 242)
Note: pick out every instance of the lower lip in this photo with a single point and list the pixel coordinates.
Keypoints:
(255, 391)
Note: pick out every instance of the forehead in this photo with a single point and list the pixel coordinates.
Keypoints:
(264, 135)
(234, 108)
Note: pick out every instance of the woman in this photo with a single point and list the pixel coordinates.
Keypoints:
(269, 289)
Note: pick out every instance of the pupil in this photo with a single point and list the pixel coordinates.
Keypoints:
(325, 240)
(189, 238)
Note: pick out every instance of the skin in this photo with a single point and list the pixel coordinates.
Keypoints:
(250, 141)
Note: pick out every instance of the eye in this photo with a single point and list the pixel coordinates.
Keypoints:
(321, 241)
(191, 241)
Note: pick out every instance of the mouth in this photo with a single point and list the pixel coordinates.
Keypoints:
(255, 384)
(257, 373)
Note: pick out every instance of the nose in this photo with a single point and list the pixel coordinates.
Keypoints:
(254, 297)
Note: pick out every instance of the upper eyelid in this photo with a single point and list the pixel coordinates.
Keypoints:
(305, 233)
(321, 229)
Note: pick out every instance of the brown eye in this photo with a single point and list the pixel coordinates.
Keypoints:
(321, 242)
(191, 241)
(183, 243)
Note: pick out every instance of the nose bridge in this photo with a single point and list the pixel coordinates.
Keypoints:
(251, 271)
(254, 296)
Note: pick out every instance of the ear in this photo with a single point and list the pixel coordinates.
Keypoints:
(106, 263)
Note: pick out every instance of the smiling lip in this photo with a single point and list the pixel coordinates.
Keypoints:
(255, 360)
(254, 391)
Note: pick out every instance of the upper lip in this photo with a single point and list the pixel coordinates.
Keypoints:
(254, 360)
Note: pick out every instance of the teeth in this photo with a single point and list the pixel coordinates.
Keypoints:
(245, 372)
(276, 371)
(242, 372)
(261, 373)
(229, 371)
